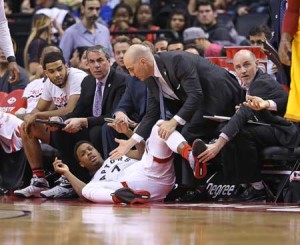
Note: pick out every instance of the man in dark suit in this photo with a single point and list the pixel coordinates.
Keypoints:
(112, 85)
(182, 88)
(242, 142)
(131, 109)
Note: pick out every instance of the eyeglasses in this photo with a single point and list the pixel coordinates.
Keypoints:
(257, 42)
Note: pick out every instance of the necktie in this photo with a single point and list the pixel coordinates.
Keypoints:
(282, 12)
(97, 106)
(161, 100)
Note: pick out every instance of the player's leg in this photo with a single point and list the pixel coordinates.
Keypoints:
(33, 153)
(176, 143)
(100, 191)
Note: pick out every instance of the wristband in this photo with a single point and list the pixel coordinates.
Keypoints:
(11, 59)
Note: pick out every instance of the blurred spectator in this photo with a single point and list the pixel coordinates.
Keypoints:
(106, 11)
(161, 45)
(175, 45)
(149, 45)
(143, 19)
(257, 36)
(40, 37)
(178, 22)
(87, 32)
(77, 54)
(120, 46)
(193, 49)
(137, 39)
(59, 14)
(122, 18)
(197, 36)
(207, 20)
(83, 62)
(163, 8)
(26, 7)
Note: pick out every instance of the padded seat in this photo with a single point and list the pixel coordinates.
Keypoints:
(286, 155)
(281, 153)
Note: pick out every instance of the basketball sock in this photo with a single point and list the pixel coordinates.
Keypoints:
(185, 152)
(39, 172)
(257, 185)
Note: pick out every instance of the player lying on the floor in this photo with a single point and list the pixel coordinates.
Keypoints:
(127, 180)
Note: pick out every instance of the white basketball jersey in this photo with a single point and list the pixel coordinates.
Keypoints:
(111, 169)
(10, 138)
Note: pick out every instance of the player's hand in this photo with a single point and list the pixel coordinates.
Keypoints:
(122, 117)
(166, 128)
(256, 103)
(73, 125)
(285, 48)
(29, 121)
(14, 72)
(123, 148)
(210, 153)
(120, 127)
(60, 167)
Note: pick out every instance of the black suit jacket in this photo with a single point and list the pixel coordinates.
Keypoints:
(133, 102)
(113, 91)
(199, 84)
(267, 88)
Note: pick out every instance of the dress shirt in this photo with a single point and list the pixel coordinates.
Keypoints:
(77, 35)
(167, 91)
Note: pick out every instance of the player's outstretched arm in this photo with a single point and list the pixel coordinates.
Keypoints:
(63, 169)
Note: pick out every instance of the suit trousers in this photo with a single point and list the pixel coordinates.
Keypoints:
(241, 157)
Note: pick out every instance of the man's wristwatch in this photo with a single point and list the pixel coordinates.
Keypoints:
(11, 59)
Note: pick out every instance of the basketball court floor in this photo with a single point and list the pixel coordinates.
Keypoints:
(40, 221)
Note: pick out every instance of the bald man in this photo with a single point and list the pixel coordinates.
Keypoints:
(182, 88)
(242, 142)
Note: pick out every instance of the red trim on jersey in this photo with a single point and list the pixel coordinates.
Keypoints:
(124, 184)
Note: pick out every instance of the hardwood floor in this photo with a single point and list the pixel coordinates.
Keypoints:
(41, 221)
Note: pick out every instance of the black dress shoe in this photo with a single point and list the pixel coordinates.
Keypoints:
(237, 192)
(251, 195)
